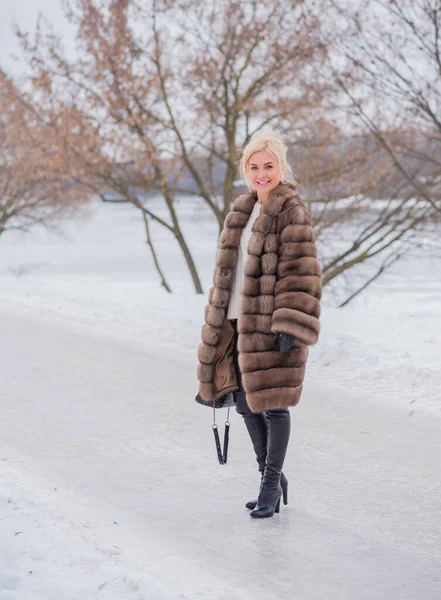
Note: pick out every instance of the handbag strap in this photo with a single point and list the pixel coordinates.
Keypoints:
(222, 452)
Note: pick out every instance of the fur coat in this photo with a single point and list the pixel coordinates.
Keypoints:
(281, 294)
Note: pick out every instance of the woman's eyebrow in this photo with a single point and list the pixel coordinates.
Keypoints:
(267, 163)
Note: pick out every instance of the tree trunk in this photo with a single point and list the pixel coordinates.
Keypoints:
(177, 232)
(231, 172)
(190, 262)
(153, 251)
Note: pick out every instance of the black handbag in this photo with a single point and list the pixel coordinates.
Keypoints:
(227, 402)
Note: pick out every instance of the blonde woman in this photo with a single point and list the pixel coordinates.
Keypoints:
(263, 311)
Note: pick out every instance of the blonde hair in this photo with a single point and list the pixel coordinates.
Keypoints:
(269, 142)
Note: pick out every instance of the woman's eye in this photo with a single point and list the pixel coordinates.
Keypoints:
(269, 166)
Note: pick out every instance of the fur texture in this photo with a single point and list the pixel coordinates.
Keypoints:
(281, 294)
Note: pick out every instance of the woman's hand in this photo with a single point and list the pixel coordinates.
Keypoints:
(286, 342)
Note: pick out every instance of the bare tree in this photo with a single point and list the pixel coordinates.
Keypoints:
(176, 87)
(393, 83)
(360, 211)
(372, 179)
(103, 105)
(33, 186)
(237, 67)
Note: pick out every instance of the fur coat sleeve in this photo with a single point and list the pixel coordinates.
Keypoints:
(298, 287)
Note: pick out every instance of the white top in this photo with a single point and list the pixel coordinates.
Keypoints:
(233, 307)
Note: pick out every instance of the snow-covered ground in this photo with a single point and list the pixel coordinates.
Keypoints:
(110, 486)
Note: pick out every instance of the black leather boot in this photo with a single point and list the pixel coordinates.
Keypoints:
(251, 505)
(278, 431)
(257, 430)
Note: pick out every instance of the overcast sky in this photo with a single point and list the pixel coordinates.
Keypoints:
(25, 13)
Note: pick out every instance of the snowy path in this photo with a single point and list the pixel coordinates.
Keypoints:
(96, 430)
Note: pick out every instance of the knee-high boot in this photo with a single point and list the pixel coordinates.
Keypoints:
(256, 425)
(278, 424)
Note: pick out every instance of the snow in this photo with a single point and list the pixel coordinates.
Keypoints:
(110, 486)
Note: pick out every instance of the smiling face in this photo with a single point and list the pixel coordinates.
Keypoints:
(264, 173)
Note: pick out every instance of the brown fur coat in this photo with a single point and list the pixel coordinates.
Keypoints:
(281, 294)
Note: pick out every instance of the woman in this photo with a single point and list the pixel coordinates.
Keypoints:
(263, 311)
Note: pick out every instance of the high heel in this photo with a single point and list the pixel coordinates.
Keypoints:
(267, 510)
(251, 505)
(284, 485)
